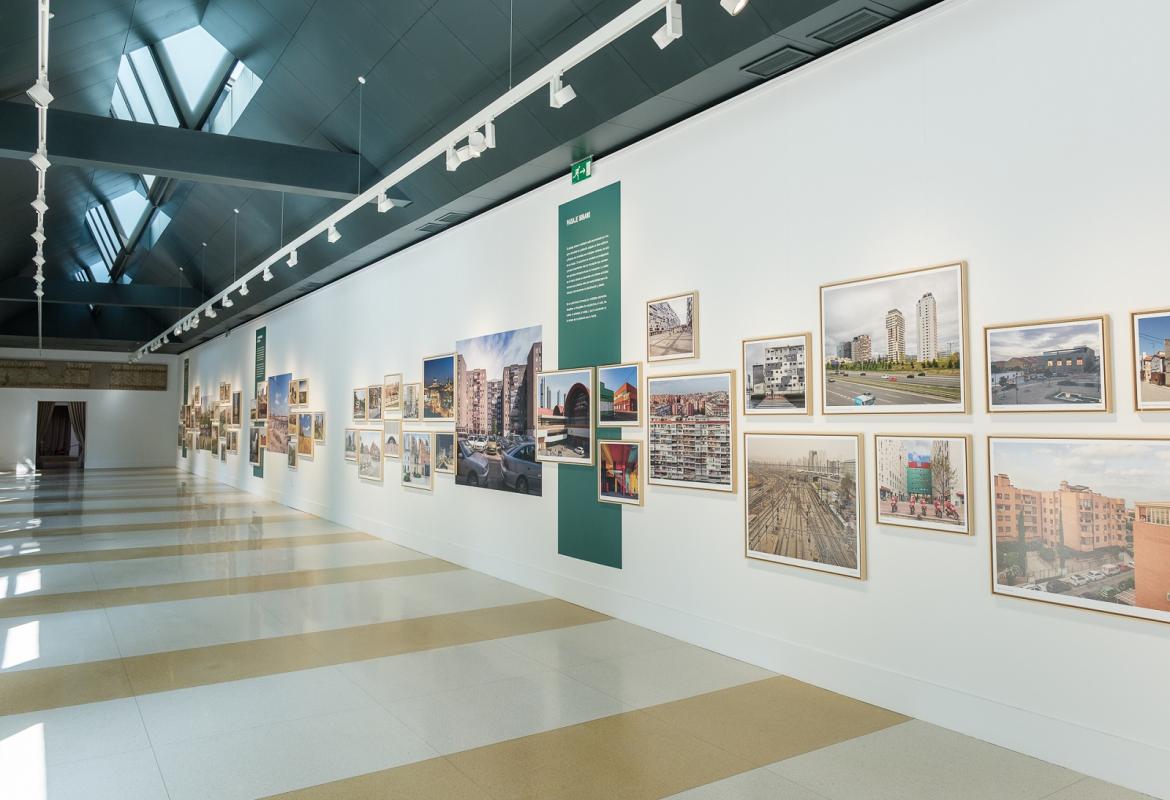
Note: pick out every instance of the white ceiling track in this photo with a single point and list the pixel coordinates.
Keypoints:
(41, 96)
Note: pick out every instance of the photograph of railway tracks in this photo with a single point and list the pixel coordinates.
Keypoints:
(923, 482)
(1082, 522)
(1057, 365)
(1151, 349)
(692, 430)
(803, 501)
(896, 343)
(672, 327)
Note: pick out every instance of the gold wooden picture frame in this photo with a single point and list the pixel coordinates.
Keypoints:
(369, 454)
(557, 433)
(351, 444)
(620, 372)
(1143, 364)
(392, 395)
(435, 405)
(359, 404)
(1030, 366)
(666, 331)
(417, 468)
(374, 403)
(391, 439)
(411, 402)
(615, 487)
(447, 466)
(663, 429)
(918, 493)
(776, 396)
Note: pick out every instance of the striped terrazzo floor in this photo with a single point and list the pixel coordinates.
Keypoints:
(164, 636)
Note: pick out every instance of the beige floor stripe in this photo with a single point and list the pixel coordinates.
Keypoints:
(651, 753)
(191, 549)
(74, 684)
(189, 590)
(161, 492)
(95, 512)
(258, 519)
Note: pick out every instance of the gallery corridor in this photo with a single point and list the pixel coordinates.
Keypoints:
(165, 636)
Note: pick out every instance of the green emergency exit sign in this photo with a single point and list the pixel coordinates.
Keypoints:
(582, 169)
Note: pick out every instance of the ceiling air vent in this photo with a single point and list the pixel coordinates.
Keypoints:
(432, 227)
(451, 217)
(850, 27)
(773, 64)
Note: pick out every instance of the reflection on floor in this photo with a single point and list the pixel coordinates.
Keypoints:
(164, 636)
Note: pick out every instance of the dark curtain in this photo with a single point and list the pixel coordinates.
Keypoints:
(56, 438)
(44, 413)
(77, 422)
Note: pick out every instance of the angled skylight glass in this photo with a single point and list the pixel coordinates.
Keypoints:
(129, 210)
(196, 65)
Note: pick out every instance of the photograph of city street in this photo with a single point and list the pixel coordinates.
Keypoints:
(1083, 522)
(359, 403)
(775, 374)
(319, 427)
(1151, 348)
(895, 343)
(391, 438)
(278, 411)
(923, 482)
(374, 403)
(495, 420)
(438, 387)
(412, 401)
(292, 452)
(305, 434)
(416, 460)
(262, 400)
(351, 444)
(619, 473)
(445, 452)
(370, 453)
(255, 446)
(804, 501)
(1049, 366)
(564, 417)
(692, 430)
(617, 395)
(392, 395)
(672, 327)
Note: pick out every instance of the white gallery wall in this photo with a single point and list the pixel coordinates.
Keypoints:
(123, 428)
(1027, 138)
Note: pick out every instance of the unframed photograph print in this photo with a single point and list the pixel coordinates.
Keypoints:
(1083, 522)
(619, 395)
(1048, 366)
(445, 452)
(923, 482)
(895, 343)
(775, 375)
(619, 472)
(278, 413)
(672, 327)
(391, 438)
(564, 417)
(803, 501)
(692, 430)
(1151, 349)
(370, 454)
(417, 447)
(438, 387)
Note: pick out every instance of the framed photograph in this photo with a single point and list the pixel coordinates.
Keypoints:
(351, 444)
(495, 426)
(438, 387)
(195, 395)
(412, 401)
(1060, 365)
(305, 434)
(923, 481)
(301, 391)
(896, 344)
(804, 501)
(445, 452)
(319, 427)
(278, 413)
(233, 442)
(359, 403)
(391, 438)
(225, 392)
(1082, 522)
(370, 452)
(223, 450)
(619, 472)
(237, 408)
(392, 395)
(417, 447)
(775, 374)
(564, 417)
(374, 403)
(691, 430)
(292, 452)
(619, 388)
(255, 447)
(262, 400)
(252, 415)
(1151, 349)
(672, 327)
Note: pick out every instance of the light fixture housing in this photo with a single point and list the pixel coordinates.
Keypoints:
(40, 160)
(178, 331)
(243, 290)
(38, 236)
(39, 93)
(39, 260)
(292, 259)
(39, 205)
(267, 275)
(195, 321)
(559, 92)
(673, 28)
(227, 301)
(453, 161)
(733, 7)
(386, 202)
(210, 312)
(333, 234)
(489, 134)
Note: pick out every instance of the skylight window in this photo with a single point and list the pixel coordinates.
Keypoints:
(104, 236)
(129, 209)
(196, 65)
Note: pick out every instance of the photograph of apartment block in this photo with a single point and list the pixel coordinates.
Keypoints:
(1151, 344)
(691, 431)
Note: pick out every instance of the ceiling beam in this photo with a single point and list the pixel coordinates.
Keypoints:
(137, 295)
(86, 140)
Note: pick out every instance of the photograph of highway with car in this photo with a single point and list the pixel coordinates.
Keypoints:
(1083, 522)
(1052, 366)
(895, 343)
(803, 504)
(495, 381)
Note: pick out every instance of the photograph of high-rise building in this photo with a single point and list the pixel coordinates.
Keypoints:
(691, 430)
(1050, 366)
(804, 502)
(923, 482)
(887, 343)
(564, 420)
(672, 327)
(775, 374)
(618, 400)
(1083, 522)
(495, 415)
(1151, 347)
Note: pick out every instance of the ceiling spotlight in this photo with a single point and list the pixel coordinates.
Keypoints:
(733, 7)
(453, 161)
(560, 93)
(386, 202)
(39, 94)
(39, 292)
(178, 331)
(210, 312)
(39, 204)
(292, 257)
(489, 134)
(39, 260)
(673, 28)
(38, 236)
(40, 159)
(166, 339)
(195, 321)
(227, 301)
(267, 275)
(332, 235)
(243, 290)
(39, 277)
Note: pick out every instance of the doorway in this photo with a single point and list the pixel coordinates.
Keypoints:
(60, 435)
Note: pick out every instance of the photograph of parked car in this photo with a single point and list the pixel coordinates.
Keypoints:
(522, 473)
(1060, 365)
(1082, 522)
